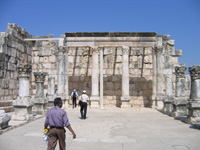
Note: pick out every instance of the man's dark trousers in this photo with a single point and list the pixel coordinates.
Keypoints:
(74, 102)
(54, 135)
(83, 110)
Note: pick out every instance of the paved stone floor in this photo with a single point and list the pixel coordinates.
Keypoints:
(111, 128)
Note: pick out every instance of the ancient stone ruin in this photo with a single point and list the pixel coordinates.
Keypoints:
(117, 69)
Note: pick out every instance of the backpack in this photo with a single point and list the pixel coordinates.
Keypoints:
(74, 95)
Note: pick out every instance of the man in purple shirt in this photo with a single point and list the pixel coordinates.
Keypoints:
(56, 119)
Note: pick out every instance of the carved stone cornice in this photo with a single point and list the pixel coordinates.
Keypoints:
(24, 69)
(195, 72)
(180, 71)
(125, 50)
(40, 76)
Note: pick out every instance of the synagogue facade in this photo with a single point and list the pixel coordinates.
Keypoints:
(120, 69)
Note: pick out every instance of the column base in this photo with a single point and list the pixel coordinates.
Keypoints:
(168, 107)
(157, 103)
(179, 107)
(160, 103)
(40, 106)
(23, 109)
(153, 102)
(94, 101)
(193, 116)
(125, 102)
(50, 103)
(66, 102)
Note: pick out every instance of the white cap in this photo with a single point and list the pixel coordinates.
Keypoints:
(84, 91)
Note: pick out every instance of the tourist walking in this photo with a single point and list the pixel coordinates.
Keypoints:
(56, 92)
(83, 99)
(56, 119)
(74, 97)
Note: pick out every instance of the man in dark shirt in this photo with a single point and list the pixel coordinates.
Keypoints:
(56, 119)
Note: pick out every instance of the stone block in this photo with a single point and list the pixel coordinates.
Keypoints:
(11, 67)
(36, 60)
(13, 52)
(119, 59)
(70, 59)
(117, 86)
(137, 103)
(176, 53)
(4, 119)
(179, 107)
(147, 72)
(193, 111)
(12, 84)
(118, 92)
(79, 52)
(29, 50)
(40, 106)
(147, 92)
(168, 106)
(109, 92)
(23, 108)
(74, 79)
(47, 65)
(43, 53)
(109, 85)
(125, 104)
(52, 59)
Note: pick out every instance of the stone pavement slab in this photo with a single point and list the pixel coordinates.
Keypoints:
(111, 128)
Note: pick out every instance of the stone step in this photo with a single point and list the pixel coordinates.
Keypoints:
(7, 108)
(6, 103)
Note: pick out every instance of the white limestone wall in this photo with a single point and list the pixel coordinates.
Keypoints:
(13, 51)
(140, 60)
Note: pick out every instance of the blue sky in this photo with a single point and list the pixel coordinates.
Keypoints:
(178, 18)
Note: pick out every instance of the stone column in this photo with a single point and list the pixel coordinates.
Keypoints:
(66, 93)
(61, 71)
(101, 77)
(95, 77)
(62, 62)
(23, 104)
(179, 103)
(154, 78)
(125, 99)
(194, 102)
(40, 102)
(168, 107)
(51, 92)
(160, 78)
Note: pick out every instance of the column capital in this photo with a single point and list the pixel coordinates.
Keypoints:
(40, 76)
(125, 50)
(195, 72)
(180, 71)
(95, 49)
(158, 49)
(61, 50)
(24, 69)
